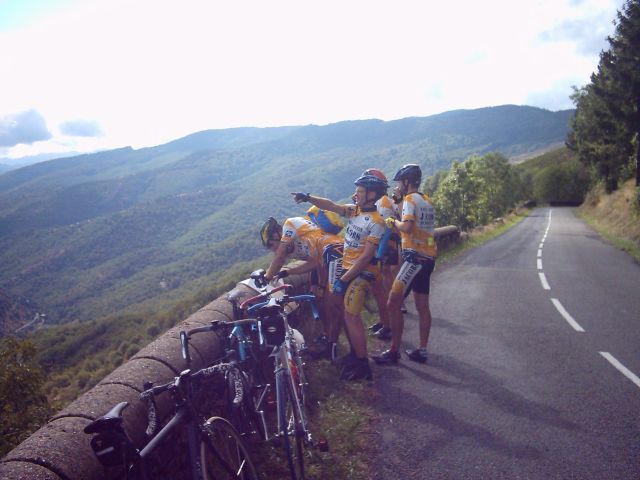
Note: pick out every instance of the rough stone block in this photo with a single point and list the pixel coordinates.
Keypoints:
(63, 447)
(17, 470)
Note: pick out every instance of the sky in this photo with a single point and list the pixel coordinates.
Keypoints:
(87, 75)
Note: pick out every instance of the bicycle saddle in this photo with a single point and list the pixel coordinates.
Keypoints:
(109, 420)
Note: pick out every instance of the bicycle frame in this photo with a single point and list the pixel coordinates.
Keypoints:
(185, 416)
(136, 462)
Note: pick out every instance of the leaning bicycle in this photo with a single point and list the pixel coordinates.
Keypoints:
(268, 338)
(274, 331)
(215, 449)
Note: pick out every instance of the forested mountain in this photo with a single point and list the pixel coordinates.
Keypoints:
(94, 234)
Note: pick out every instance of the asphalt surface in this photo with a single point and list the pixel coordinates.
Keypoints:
(515, 389)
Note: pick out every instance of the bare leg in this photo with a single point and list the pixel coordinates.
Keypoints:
(355, 331)
(424, 314)
(335, 313)
(396, 318)
(380, 295)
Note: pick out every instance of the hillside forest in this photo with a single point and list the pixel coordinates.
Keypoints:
(118, 246)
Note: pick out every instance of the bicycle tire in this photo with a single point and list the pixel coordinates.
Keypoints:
(291, 429)
(223, 455)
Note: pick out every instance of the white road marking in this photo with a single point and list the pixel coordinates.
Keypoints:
(624, 370)
(541, 245)
(544, 282)
(576, 326)
(539, 264)
(539, 252)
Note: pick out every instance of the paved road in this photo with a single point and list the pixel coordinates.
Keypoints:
(521, 382)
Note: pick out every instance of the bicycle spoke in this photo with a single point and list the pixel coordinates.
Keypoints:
(222, 453)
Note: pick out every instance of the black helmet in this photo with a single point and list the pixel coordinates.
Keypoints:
(269, 227)
(373, 183)
(411, 172)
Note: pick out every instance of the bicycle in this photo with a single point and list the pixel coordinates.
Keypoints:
(215, 449)
(271, 332)
(238, 396)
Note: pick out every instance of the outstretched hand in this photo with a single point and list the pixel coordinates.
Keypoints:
(300, 197)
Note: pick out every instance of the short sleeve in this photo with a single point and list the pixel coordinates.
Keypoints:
(288, 232)
(376, 231)
(408, 209)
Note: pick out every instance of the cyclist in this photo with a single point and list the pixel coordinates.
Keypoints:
(364, 230)
(419, 252)
(299, 238)
(388, 263)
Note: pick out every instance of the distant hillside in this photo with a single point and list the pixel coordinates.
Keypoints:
(95, 234)
(7, 164)
(14, 313)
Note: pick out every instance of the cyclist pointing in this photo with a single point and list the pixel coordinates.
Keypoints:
(388, 258)
(419, 252)
(364, 230)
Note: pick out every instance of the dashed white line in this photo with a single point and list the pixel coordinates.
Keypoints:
(541, 245)
(576, 326)
(539, 264)
(624, 370)
(539, 252)
(544, 282)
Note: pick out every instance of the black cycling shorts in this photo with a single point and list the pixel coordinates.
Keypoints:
(414, 275)
(332, 259)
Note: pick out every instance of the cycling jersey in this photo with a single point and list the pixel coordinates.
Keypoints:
(387, 208)
(308, 240)
(362, 227)
(329, 222)
(420, 239)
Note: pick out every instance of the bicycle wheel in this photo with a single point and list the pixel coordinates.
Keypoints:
(223, 456)
(290, 425)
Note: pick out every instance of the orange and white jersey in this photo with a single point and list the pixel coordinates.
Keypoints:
(387, 208)
(420, 239)
(362, 227)
(308, 239)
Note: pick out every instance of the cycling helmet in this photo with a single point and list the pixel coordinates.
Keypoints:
(269, 227)
(376, 173)
(410, 172)
(372, 183)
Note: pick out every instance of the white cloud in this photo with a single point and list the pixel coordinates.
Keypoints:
(153, 70)
(23, 128)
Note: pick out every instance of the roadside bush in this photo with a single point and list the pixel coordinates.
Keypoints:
(567, 182)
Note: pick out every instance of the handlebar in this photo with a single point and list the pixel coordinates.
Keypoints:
(150, 391)
(306, 297)
(244, 304)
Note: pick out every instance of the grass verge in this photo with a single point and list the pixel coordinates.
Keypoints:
(482, 235)
(629, 246)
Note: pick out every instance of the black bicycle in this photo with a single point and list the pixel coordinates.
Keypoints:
(215, 449)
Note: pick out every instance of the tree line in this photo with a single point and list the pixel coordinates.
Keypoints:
(485, 187)
(606, 127)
